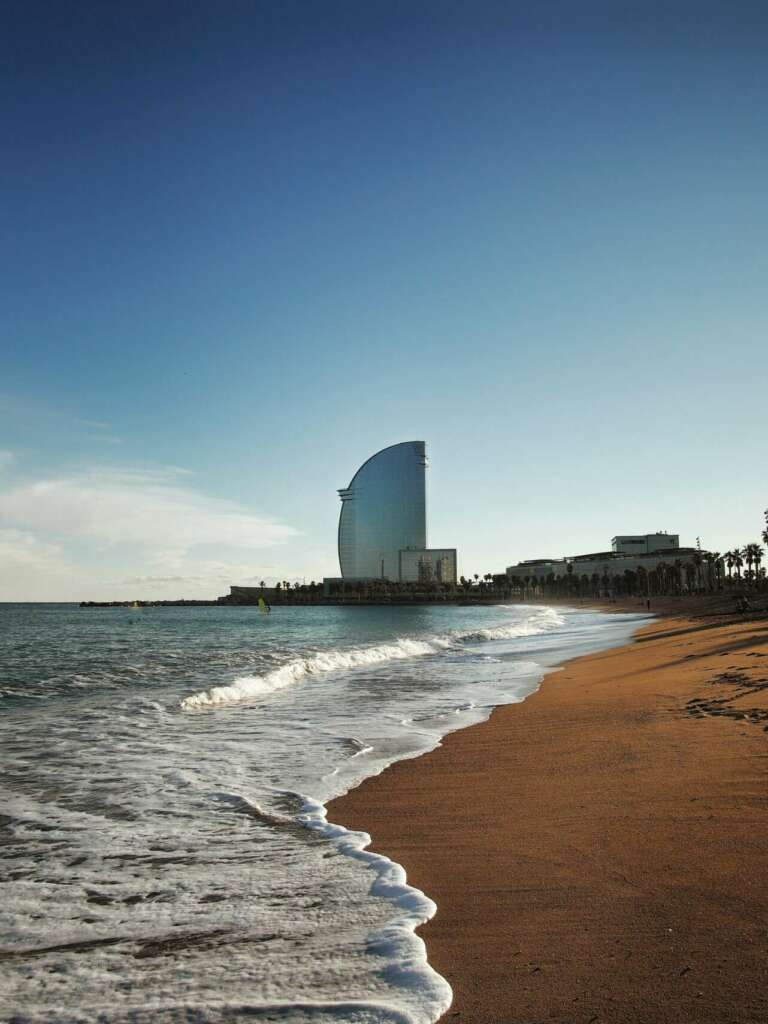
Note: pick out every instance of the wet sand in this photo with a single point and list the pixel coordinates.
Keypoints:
(598, 853)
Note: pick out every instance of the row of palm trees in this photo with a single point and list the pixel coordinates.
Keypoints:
(750, 555)
(380, 590)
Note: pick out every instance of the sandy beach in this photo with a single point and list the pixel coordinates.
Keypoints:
(598, 852)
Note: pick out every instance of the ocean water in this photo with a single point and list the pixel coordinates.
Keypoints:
(164, 850)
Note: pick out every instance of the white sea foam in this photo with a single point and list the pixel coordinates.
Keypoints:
(540, 622)
(246, 689)
(397, 941)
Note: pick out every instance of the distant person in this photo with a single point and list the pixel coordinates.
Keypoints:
(648, 604)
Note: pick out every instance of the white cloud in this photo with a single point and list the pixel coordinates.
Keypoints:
(141, 508)
(28, 563)
(6, 458)
(108, 533)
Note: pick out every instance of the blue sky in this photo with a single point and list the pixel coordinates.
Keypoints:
(249, 244)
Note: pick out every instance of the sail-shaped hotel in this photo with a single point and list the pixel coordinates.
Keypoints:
(383, 521)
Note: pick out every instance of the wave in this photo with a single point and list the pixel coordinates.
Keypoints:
(248, 688)
(540, 622)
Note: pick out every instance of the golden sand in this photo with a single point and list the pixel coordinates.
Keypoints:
(598, 853)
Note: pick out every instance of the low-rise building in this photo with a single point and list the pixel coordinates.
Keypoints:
(628, 552)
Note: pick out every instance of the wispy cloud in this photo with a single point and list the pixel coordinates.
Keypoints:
(6, 458)
(23, 556)
(40, 417)
(143, 508)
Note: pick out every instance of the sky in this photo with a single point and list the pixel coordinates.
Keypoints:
(246, 245)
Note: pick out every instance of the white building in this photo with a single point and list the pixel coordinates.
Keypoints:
(628, 551)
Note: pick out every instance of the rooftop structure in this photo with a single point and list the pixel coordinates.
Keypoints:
(645, 543)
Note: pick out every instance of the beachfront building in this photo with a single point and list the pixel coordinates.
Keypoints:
(383, 521)
(428, 565)
(383, 510)
(629, 552)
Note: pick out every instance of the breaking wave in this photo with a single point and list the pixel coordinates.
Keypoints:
(540, 622)
(249, 688)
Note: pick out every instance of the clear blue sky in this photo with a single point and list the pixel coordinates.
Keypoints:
(249, 244)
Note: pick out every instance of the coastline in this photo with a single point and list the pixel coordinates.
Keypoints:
(597, 852)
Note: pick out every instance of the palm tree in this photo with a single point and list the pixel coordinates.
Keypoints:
(729, 560)
(677, 574)
(758, 556)
(661, 572)
(753, 555)
(642, 580)
(712, 558)
(717, 561)
(737, 561)
(653, 582)
(690, 574)
(696, 559)
(747, 555)
(765, 531)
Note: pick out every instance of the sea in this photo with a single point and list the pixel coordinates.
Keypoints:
(165, 853)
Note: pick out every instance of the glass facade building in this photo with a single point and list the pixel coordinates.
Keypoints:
(383, 511)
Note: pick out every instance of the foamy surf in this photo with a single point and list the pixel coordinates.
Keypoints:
(249, 687)
(246, 689)
(397, 941)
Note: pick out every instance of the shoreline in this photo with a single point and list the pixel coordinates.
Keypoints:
(597, 852)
